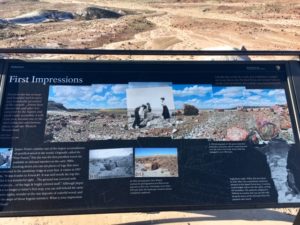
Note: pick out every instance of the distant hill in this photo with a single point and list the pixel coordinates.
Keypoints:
(52, 105)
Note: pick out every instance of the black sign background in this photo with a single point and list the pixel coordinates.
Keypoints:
(203, 180)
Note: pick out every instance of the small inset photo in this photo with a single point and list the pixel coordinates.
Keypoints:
(110, 163)
(5, 158)
(150, 107)
(156, 162)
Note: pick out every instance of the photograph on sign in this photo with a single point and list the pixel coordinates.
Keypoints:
(150, 108)
(110, 163)
(82, 113)
(5, 158)
(156, 162)
(276, 152)
(193, 111)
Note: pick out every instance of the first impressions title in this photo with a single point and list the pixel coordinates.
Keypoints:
(45, 80)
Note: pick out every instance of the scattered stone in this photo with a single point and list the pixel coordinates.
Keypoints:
(110, 166)
(155, 166)
(236, 134)
(57, 128)
(268, 131)
(190, 110)
(285, 124)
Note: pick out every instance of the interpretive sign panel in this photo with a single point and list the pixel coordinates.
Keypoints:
(83, 137)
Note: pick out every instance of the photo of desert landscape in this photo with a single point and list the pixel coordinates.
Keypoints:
(82, 113)
(5, 158)
(156, 162)
(150, 24)
(110, 163)
(231, 114)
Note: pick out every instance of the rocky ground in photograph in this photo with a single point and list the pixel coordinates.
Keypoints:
(63, 125)
(156, 166)
(276, 152)
(112, 167)
(257, 124)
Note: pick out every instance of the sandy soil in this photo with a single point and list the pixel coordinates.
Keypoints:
(166, 24)
(156, 166)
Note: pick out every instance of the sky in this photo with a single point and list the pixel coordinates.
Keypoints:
(4, 151)
(139, 152)
(138, 96)
(203, 96)
(106, 153)
(97, 96)
(217, 97)
(199, 95)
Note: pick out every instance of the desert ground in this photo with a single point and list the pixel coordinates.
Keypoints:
(113, 167)
(258, 124)
(87, 125)
(152, 24)
(156, 166)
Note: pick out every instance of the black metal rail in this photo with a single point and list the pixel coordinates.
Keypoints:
(146, 52)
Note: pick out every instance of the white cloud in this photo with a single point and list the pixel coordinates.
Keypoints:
(249, 92)
(114, 100)
(194, 90)
(74, 93)
(107, 153)
(276, 92)
(231, 92)
(226, 102)
(119, 88)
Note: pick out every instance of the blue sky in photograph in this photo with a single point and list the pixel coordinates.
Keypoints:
(97, 96)
(228, 97)
(199, 95)
(4, 150)
(264, 97)
(231, 97)
(139, 152)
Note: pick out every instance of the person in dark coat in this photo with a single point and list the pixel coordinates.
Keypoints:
(149, 109)
(165, 112)
(137, 115)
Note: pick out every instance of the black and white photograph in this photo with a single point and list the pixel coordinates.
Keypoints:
(5, 158)
(110, 163)
(150, 109)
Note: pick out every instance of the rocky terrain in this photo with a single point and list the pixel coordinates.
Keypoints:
(259, 125)
(276, 152)
(5, 159)
(156, 166)
(112, 167)
(65, 125)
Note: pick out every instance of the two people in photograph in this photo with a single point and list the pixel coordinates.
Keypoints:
(141, 113)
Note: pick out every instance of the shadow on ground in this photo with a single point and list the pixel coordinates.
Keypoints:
(223, 215)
